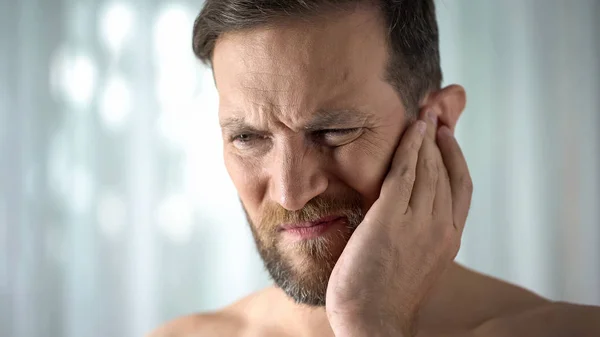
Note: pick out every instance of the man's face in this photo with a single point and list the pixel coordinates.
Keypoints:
(309, 128)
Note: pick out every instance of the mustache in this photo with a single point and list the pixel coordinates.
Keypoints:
(347, 205)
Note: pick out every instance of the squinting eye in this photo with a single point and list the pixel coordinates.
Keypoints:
(338, 137)
(244, 140)
(340, 132)
(244, 137)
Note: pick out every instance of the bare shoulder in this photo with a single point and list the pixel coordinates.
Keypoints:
(465, 298)
(215, 324)
(242, 318)
(554, 319)
(514, 311)
(500, 294)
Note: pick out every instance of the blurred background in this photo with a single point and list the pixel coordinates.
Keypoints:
(116, 213)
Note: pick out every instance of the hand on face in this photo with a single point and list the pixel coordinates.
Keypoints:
(406, 240)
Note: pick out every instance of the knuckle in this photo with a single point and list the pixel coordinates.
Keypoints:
(431, 169)
(403, 191)
(414, 146)
(405, 174)
(430, 164)
(444, 174)
(398, 187)
(376, 222)
(400, 180)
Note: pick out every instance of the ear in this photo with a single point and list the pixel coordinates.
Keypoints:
(447, 103)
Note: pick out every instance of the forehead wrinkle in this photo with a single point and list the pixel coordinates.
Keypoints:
(323, 118)
(275, 93)
(350, 116)
(262, 117)
(264, 81)
(290, 113)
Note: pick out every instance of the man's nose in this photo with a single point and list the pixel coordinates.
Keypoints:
(296, 176)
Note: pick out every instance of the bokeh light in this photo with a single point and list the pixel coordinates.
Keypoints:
(54, 243)
(175, 63)
(115, 102)
(59, 164)
(205, 130)
(73, 75)
(82, 189)
(194, 120)
(3, 219)
(172, 31)
(175, 218)
(116, 21)
(111, 214)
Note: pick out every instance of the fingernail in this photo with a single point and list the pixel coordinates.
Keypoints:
(433, 117)
(421, 127)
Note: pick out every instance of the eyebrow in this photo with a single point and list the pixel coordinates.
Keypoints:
(324, 118)
(337, 118)
(234, 123)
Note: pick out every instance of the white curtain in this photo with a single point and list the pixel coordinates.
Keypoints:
(116, 213)
(532, 74)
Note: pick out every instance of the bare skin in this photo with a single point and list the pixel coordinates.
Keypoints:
(463, 304)
(274, 85)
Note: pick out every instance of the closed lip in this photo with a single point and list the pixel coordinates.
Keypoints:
(310, 223)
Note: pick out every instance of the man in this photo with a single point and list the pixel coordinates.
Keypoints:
(340, 143)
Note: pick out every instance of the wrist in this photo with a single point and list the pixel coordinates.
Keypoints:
(375, 326)
(370, 332)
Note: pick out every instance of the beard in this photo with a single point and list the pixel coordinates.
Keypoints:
(302, 268)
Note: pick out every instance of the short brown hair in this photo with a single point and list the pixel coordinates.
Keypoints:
(414, 63)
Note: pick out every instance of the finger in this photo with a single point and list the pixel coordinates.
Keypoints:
(442, 205)
(432, 119)
(423, 194)
(460, 179)
(429, 116)
(398, 184)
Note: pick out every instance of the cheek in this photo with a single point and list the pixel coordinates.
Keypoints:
(363, 167)
(246, 178)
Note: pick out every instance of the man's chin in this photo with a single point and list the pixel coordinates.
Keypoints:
(306, 285)
(304, 271)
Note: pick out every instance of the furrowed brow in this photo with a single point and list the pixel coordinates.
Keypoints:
(338, 118)
(236, 125)
(233, 123)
